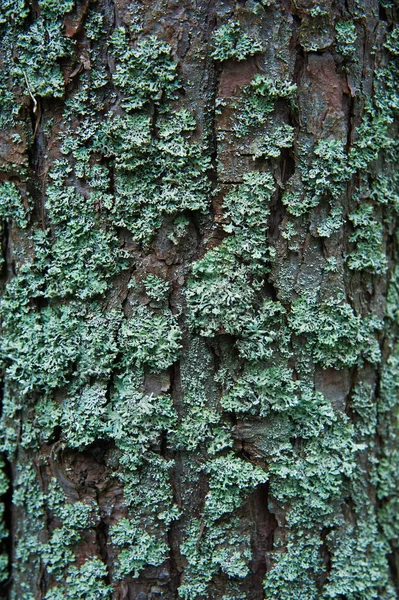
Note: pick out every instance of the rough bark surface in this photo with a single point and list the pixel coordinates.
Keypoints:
(200, 299)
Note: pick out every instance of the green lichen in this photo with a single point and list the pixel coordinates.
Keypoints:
(346, 38)
(316, 31)
(166, 173)
(308, 479)
(230, 478)
(79, 370)
(86, 582)
(74, 518)
(12, 206)
(150, 339)
(146, 149)
(39, 74)
(336, 336)
(262, 329)
(300, 563)
(47, 349)
(167, 170)
(392, 41)
(80, 253)
(271, 145)
(220, 294)
(372, 138)
(156, 288)
(60, 343)
(179, 229)
(81, 416)
(136, 423)
(365, 407)
(247, 211)
(217, 543)
(332, 223)
(218, 549)
(360, 563)
(144, 72)
(230, 41)
(172, 179)
(69, 520)
(15, 10)
(262, 390)
(29, 499)
(258, 101)
(201, 427)
(138, 550)
(369, 254)
(325, 177)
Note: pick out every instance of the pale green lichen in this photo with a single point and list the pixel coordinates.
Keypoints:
(392, 41)
(230, 41)
(150, 339)
(262, 330)
(56, 554)
(40, 74)
(336, 336)
(201, 427)
(217, 549)
(130, 167)
(138, 549)
(156, 288)
(352, 575)
(258, 101)
(81, 416)
(144, 71)
(272, 144)
(179, 230)
(346, 38)
(46, 349)
(74, 518)
(262, 390)
(69, 342)
(220, 294)
(86, 582)
(12, 205)
(369, 253)
(325, 177)
(247, 211)
(229, 479)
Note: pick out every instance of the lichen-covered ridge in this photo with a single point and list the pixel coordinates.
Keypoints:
(200, 300)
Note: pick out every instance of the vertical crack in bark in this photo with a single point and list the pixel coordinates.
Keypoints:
(37, 163)
(350, 121)
(173, 534)
(102, 541)
(214, 72)
(9, 263)
(265, 526)
(208, 15)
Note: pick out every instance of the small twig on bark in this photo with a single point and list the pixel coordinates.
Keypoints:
(36, 107)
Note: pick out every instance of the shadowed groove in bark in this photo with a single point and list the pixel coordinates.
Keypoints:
(263, 539)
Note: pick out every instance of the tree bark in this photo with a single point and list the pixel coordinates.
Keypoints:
(200, 307)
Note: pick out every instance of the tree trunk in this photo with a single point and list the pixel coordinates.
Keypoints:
(200, 299)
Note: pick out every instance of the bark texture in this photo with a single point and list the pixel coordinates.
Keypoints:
(200, 299)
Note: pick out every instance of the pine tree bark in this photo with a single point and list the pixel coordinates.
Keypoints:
(200, 352)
